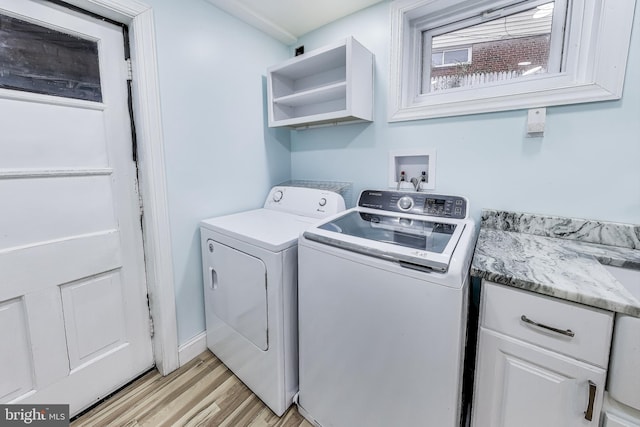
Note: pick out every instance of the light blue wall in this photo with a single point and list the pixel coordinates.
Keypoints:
(222, 158)
(220, 155)
(587, 165)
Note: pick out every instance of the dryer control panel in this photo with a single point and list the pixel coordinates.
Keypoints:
(437, 205)
(308, 202)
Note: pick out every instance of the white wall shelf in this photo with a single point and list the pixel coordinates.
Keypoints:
(332, 92)
(325, 86)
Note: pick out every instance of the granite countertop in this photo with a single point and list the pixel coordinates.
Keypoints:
(559, 257)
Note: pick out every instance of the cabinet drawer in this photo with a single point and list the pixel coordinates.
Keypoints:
(503, 309)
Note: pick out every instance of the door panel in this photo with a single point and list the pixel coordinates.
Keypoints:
(93, 312)
(15, 358)
(54, 207)
(71, 258)
(522, 374)
(48, 337)
(53, 143)
(25, 270)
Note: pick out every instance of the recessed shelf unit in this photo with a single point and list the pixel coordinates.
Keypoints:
(327, 85)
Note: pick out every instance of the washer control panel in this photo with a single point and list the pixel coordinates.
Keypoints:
(415, 203)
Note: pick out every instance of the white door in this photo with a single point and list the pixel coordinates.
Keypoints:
(74, 319)
(522, 385)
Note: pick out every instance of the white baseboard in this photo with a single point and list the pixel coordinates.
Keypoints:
(192, 348)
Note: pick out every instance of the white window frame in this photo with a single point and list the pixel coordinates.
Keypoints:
(596, 41)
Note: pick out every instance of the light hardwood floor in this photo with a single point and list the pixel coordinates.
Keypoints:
(201, 393)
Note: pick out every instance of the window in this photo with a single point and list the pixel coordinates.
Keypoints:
(42, 60)
(515, 44)
(453, 57)
(450, 57)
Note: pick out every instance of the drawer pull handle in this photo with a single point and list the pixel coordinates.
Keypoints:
(588, 414)
(567, 332)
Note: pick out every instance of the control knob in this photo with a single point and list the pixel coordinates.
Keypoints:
(322, 202)
(405, 203)
(277, 196)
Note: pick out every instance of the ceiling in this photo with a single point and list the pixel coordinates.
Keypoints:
(286, 20)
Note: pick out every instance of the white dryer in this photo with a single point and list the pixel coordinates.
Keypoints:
(249, 262)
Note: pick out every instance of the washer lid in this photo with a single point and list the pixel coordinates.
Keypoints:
(265, 228)
(414, 241)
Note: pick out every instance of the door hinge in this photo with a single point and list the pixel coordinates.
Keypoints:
(140, 204)
(151, 329)
(127, 63)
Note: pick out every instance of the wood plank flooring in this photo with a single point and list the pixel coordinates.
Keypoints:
(201, 393)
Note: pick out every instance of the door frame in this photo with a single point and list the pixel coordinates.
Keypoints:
(138, 16)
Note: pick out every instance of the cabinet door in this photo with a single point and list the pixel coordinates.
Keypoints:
(522, 385)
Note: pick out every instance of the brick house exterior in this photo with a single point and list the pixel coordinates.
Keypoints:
(501, 55)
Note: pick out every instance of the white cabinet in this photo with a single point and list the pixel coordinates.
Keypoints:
(541, 361)
(328, 85)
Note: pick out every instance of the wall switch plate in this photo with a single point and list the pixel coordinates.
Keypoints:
(413, 163)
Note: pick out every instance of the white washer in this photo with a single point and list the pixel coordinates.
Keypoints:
(382, 301)
(249, 265)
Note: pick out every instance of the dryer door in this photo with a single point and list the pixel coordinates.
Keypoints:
(239, 288)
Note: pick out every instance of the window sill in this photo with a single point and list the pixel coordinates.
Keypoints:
(463, 101)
